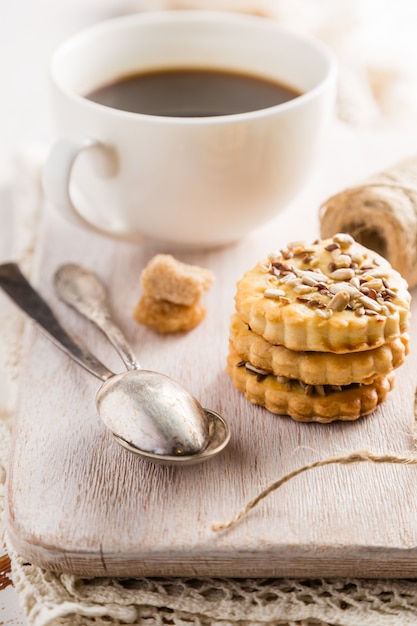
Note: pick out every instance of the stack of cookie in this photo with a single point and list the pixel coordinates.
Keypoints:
(318, 330)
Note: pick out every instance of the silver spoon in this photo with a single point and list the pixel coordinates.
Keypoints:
(148, 413)
(85, 293)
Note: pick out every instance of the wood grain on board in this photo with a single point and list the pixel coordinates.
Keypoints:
(78, 502)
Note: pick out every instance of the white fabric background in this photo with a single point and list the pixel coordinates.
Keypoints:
(373, 39)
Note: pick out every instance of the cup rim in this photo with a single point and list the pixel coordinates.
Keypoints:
(196, 15)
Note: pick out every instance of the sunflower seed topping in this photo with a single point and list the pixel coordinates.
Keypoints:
(377, 272)
(343, 260)
(346, 279)
(289, 279)
(342, 273)
(375, 283)
(344, 286)
(339, 301)
(300, 288)
(370, 304)
(274, 293)
(343, 239)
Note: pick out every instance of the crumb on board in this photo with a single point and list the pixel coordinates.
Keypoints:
(171, 294)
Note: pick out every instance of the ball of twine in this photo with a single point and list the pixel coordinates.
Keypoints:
(381, 214)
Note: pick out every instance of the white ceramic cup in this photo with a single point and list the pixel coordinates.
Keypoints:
(202, 181)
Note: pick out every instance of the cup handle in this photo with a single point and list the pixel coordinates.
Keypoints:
(57, 171)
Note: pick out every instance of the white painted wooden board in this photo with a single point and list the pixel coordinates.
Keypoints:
(77, 502)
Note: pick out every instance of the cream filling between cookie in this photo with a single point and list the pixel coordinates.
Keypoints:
(292, 384)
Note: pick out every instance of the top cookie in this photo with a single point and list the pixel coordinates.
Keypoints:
(334, 295)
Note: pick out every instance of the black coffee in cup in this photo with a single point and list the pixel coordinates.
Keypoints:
(192, 93)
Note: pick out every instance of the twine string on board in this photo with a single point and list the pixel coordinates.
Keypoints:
(360, 456)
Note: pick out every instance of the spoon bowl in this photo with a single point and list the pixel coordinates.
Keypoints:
(153, 413)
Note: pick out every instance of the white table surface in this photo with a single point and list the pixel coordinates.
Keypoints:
(29, 32)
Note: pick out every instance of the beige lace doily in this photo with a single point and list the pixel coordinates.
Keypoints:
(61, 600)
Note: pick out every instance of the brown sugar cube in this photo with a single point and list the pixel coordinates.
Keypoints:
(167, 317)
(166, 278)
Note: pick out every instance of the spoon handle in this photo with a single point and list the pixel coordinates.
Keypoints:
(84, 291)
(34, 306)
